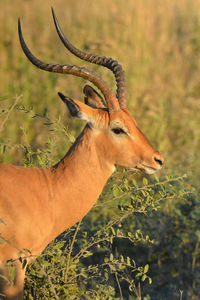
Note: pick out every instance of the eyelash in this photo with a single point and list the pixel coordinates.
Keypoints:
(118, 130)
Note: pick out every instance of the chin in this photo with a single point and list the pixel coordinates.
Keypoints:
(149, 171)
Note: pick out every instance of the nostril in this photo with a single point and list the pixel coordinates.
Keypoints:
(159, 161)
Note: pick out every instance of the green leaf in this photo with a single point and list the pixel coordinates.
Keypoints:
(138, 275)
(106, 260)
(156, 178)
(113, 231)
(135, 183)
(58, 245)
(111, 257)
(40, 260)
(87, 253)
(115, 190)
(147, 237)
(112, 267)
(11, 270)
(27, 250)
(146, 268)
(130, 288)
(72, 266)
(144, 277)
(71, 138)
(145, 181)
(120, 207)
(24, 263)
(130, 234)
(128, 261)
(133, 263)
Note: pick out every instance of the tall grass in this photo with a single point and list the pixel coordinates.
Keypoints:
(157, 42)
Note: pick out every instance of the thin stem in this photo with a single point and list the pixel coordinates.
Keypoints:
(195, 254)
(120, 290)
(70, 251)
(139, 291)
(12, 244)
(9, 112)
(181, 294)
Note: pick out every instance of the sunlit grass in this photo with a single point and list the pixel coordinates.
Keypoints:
(157, 42)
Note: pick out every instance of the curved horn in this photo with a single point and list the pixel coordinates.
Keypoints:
(74, 70)
(109, 63)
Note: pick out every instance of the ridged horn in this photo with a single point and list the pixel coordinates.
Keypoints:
(109, 63)
(110, 98)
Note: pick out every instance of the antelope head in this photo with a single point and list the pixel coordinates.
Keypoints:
(116, 131)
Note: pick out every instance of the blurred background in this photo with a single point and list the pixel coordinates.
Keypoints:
(158, 44)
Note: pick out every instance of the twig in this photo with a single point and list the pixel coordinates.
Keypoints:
(120, 290)
(9, 112)
(12, 244)
(181, 294)
(70, 251)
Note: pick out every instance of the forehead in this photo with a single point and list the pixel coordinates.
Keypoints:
(124, 118)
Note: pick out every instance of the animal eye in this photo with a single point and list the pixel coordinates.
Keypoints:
(118, 130)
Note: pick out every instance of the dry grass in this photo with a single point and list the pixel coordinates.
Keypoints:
(157, 42)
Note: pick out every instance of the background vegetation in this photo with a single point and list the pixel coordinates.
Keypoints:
(146, 222)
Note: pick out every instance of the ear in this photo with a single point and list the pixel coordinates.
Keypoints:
(93, 98)
(71, 105)
(80, 110)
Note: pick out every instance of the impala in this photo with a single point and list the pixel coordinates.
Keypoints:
(37, 204)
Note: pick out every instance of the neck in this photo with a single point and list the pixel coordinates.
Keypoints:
(79, 179)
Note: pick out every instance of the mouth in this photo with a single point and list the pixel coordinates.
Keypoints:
(144, 168)
(150, 170)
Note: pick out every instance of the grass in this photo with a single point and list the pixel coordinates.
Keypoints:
(157, 43)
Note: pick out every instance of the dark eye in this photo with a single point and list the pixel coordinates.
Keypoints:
(118, 130)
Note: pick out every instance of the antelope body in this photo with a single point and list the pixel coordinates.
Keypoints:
(36, 205)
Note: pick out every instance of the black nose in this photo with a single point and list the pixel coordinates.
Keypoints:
(158, 160)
